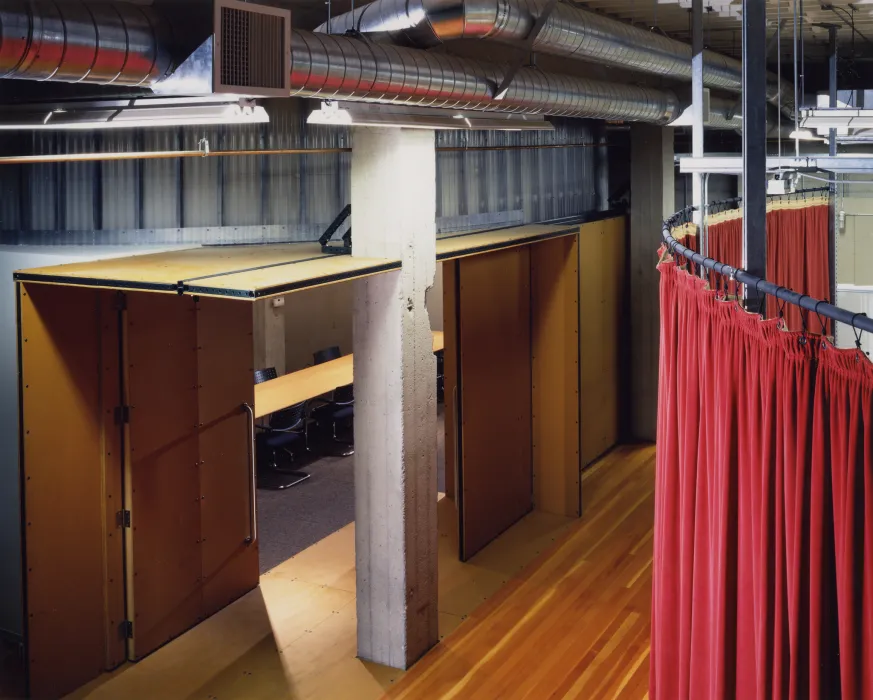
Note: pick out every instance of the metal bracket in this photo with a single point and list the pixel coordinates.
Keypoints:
(120, 301)
(122, 415)
(524, 50)
(346, 247)
(123, 517)
(126, 629)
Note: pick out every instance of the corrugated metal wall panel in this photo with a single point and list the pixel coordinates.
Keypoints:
(160, 185)
(121, 193)
(201, 181)
(293, 197)
(242, 176)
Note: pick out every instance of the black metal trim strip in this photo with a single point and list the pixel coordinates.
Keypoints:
(294, 286)
(94, 282)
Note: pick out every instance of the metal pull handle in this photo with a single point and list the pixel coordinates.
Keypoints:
(456, 428)
(253, 485)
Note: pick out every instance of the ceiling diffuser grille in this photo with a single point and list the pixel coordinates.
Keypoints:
(253, 49)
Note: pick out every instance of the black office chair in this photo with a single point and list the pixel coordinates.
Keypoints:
(286, 429)
(341, 406)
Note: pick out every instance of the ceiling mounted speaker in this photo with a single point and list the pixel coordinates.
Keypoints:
(252, 49)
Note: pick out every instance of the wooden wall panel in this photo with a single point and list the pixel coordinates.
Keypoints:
(113, 470)
(555, 371)
(164, 467)
(65, 484)
(226, 381)
(603, 280)
(450, 374)
(496, 468)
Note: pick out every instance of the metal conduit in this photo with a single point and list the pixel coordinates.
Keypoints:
(345, 68)
(87, 42)
(568, 31)
(835, 313)
(124, 44)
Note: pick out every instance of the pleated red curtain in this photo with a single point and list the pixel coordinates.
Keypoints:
(725, 241)
(797, 256)
(763, 559)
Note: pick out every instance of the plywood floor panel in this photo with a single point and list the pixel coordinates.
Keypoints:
(571, 622)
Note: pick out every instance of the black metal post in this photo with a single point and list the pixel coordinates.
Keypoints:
(832, 150)
(754, 142)
(832, 83)
(697, 105)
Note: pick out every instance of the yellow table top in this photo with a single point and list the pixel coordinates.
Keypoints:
(243, 272)
(308, 383)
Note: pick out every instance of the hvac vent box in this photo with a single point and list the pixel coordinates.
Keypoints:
(252, 50)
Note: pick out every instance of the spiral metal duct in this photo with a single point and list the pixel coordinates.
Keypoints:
(568, 31)
(89, 42)
(337, 67)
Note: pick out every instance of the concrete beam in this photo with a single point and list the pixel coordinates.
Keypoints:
(394, 215)
(652, 201)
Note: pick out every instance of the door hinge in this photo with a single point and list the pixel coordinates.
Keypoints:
(120, 301)
(122, 415)
(126, 629)
(123, 518)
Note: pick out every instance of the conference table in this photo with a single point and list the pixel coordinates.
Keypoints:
(308, 383)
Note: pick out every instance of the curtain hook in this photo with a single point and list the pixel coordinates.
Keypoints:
(780, 303)
(858, 332)
(804, 317)
(824, 330)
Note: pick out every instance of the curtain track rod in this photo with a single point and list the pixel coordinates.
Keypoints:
(858, 321)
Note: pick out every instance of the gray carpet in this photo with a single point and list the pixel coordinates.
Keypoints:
(289, 521)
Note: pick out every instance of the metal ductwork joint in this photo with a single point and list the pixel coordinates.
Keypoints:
(568, 31)
(345, 68)
(74, 41)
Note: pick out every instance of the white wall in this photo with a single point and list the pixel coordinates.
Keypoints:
(855, 237)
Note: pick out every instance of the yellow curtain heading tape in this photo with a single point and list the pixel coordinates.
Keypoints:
(778, 204)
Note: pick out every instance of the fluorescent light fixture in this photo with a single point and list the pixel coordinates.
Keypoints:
(805, 135)
(348, 114)
(836, 118)
(99, 116)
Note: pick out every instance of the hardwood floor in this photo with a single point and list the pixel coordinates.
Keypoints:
(575, 623)
(554, 608)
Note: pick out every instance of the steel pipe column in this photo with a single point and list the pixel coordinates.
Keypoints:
(754, 142)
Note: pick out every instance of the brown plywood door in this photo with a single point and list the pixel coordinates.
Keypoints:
(450, 374)
(164, 468)
(225, 382)
(71, 476)
(555, 359)
(602, 301)
(495, 471)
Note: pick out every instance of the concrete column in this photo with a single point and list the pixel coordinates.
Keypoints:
(652, 201)
(394, 216)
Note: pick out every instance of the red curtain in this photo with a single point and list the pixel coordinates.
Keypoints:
(797, 257)
(763, 560)
(725, 241)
